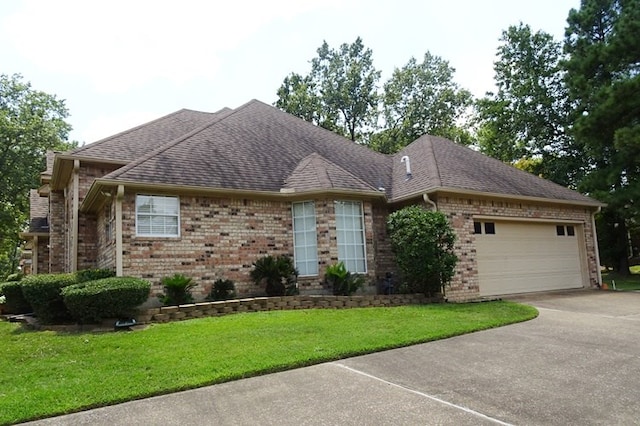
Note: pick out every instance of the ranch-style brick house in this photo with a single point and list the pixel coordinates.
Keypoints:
(207, 194)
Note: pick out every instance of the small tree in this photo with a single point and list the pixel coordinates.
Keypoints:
(422, 242)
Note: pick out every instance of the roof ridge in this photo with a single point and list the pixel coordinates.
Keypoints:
(433, 162)
(124, 132)
(217, 118)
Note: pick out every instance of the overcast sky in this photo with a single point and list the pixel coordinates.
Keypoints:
(120, 63)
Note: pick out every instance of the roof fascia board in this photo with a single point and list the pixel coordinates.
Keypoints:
(63, 166)
(493, 195)
(96, 193)
(29, 235)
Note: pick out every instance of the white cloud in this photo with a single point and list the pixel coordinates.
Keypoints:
(122, 44)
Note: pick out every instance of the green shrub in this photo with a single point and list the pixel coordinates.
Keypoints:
(15, 277)
(222, 290)
(422, 242)
(343, 282)
(178, 290)
(111, 297)
(43, 292)
(93, 274)
(14, 303)
(278, 274)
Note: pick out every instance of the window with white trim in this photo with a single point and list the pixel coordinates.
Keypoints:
(157, 216)
(350, 233)
(109, 217)
(305, 239)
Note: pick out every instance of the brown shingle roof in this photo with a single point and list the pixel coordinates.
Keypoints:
(38, 212)
(138, 141)
(315, 172)
(255, 147)
(439, 163)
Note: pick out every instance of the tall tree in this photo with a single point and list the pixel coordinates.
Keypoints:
(419, 99)
(339, 93)
(603, 76)
(31, 122)
(525, 122)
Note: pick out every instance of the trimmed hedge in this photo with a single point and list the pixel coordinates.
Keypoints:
(15, 302)
(43, 292)
(15, 277)
(93, 274)
(106, 298)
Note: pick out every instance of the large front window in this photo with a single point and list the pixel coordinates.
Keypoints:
(350, 230)
(157, 216)
(305, 240)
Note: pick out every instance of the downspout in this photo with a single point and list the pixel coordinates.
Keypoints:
(119, 198)
(429, 201)
(34, 256)
(595, 244)
(76, 211)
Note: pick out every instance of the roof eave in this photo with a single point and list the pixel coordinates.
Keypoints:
(63, 166)
(97, 193)
(514, 197)
(29, 235)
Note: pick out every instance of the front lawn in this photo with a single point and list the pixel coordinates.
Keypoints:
(44, 374)
(628, 283)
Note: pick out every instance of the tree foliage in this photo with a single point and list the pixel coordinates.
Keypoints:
(422, 242)
(603, 76)
(527, 119)
(31, 122)
(339, 94)
(419, 99)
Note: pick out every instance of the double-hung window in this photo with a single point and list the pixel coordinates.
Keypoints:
(157, 216)
(305, 239)
(350, 233)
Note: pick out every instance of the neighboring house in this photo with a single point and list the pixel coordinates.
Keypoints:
(207, 195)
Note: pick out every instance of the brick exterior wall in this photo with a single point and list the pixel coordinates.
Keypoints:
(61, 216)
(43, 255)
(221, 238)
(461, 211)
(57, 234)
(105, 230)
(384, 259)
(87, 224)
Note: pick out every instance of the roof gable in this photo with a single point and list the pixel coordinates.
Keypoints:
(315, 172)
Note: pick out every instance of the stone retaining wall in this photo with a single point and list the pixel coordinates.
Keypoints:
(256, 304)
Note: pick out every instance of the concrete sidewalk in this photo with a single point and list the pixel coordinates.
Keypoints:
(577, 363)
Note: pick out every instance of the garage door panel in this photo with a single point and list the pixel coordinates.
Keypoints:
(527, 257)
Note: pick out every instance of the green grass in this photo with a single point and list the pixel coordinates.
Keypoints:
(625, 283)
(44, 373)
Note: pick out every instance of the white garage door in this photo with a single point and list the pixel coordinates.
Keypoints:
(521, 257)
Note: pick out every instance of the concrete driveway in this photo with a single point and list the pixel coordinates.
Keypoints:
(577, 363)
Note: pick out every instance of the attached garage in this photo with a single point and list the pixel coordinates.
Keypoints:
(528, 256)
